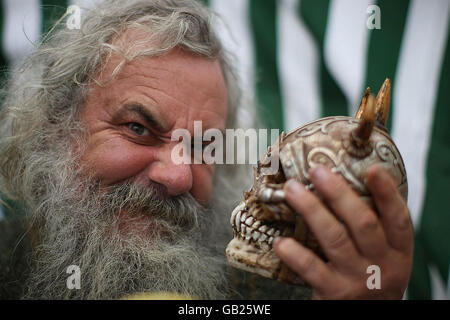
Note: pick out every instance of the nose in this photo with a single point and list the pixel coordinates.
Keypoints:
(177, 178)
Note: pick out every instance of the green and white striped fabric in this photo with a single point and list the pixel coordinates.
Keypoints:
(303, 59)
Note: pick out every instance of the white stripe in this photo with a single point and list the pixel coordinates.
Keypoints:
(85, 4)
(298, 62)
(22, 29)
(415, 90)
(345, 47)
(437, 284)
(235, 32)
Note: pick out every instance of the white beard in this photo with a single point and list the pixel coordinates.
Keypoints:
(167, 245)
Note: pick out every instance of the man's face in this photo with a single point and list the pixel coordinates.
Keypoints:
(150, 229)
(130, 121)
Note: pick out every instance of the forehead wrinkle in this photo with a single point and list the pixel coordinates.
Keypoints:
(216, 121)
(168, 67)
(157, 77)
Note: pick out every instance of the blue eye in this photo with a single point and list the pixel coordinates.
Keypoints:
(137, 128)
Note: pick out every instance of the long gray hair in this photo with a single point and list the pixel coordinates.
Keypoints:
(42, 101)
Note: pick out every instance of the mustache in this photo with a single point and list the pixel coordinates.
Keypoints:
(151, 201)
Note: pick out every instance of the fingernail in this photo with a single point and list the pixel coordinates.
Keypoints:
(319, 173)
(294, 187)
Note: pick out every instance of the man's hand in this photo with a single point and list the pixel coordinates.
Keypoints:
(351, 236)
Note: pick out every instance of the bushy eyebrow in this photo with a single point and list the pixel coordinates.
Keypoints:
(146, 116)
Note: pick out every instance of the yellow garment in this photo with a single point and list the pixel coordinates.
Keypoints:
(157, 296)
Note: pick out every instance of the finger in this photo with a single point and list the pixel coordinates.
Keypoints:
(331, 234)
(362, 222)
(305, 263)
(394, 213)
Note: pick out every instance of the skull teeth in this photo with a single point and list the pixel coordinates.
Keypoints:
(237, 210)
(250, 229)
(238, 221)
(249, 221)
(263, 229)
(256, 224)
(261, 235)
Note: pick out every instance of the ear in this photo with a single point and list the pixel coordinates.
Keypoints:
(383, 102)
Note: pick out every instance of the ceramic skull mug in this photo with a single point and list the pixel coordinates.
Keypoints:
(349, 146)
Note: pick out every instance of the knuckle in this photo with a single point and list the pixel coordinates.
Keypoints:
(306, 263)
(338, 238)
(369, 223)
(404, 224)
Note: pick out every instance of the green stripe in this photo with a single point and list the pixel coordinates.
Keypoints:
(263, 22)
(420, 283)
(205, 2)
(384, 47)
(52, 11)
(435, 219)
(315, 15)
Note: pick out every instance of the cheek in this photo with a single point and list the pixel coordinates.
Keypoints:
(202, 183)
(114, 162)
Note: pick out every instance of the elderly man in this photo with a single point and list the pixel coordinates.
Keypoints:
(86, 153)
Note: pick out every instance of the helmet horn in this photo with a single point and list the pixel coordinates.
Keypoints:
(383, 102)
(367, 116)
(363, 103)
